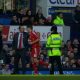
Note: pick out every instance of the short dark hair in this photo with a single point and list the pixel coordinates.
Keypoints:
(20, 26)
(30, 26)
(54, 28)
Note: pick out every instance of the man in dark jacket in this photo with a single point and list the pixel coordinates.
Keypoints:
(20, 46)
(14, 21)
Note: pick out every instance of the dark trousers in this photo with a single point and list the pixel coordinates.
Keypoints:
(20, 54)
(52, 59)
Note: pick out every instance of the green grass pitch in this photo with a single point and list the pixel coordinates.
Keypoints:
(39, 77)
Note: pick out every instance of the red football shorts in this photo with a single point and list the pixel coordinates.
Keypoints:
(35, 52)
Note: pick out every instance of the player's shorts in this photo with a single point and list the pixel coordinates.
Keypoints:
(35, 52)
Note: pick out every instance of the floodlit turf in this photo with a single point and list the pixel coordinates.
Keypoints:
(39, 77)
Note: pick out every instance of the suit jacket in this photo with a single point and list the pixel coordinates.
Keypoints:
(25, 40)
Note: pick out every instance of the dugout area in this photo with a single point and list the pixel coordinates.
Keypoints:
(39, 77)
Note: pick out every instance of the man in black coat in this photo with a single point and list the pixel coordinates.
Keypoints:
(20, 47)
(14, 20)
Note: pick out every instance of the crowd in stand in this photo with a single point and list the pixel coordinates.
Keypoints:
(70, 57)
(26, 17)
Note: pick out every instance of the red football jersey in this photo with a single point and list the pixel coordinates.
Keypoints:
(34, 36)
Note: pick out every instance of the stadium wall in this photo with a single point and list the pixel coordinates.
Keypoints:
(43, 31)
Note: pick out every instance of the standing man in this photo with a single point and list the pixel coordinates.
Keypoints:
(59, 21)
(21, 46)
(35, 48)
(1, 41)
(53, 45)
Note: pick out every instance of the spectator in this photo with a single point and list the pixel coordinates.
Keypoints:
(27, 18)
(6, 69)
(76, 44)
(43, 63)
(39, 15)
(71, 55)
(59, 21)
(41, 60)
(66, 62)
(32, 20)
(41, 21)
(63, 44)
(73, 63)
(25, 21)
(29, 14)
(5, 57)
(64, 48)
(1, 42)
(77, 14)
(45, 54)
(76, 53)
(69, 46)
(48, 21)
(14, 21)
(78, 63)
(20, 15)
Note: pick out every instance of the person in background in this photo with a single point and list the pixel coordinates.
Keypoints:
(6, 69)
(73, 63)
(14, 21)
(35, 48)
(20, 15)
(76, 53)
(29, 14)
(1, 48)
(49, 21)
(20, 47)
(43, 63)
(26, 20)
(66, 62)
(41, 22)
(78, 63)
(76, 44)
(77, 14)
(53, 45)
(69, 45)
(40, 15)
(4, 56)
(59, 21)
(1, 41)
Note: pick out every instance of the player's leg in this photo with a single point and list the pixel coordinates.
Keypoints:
(24, 60)
(51, 62)
(58, 60)
(16, 62)
(34, 59)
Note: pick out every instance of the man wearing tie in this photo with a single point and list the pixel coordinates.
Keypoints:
(20, 46)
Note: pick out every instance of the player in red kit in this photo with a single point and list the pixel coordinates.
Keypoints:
(35, 48)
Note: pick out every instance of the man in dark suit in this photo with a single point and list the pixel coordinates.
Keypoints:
(20, 46)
